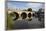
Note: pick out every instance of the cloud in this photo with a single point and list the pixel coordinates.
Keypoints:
(10, 5)
(34, 6)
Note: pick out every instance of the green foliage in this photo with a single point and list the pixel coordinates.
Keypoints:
(29, 9)
(10, 21)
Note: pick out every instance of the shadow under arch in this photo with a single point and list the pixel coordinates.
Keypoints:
(23, 15)
(29, 15)
(16, 15)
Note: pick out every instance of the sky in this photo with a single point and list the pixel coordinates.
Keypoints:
(24, 5)
(29, 0)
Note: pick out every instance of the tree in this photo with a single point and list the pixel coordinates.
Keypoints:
(29, 9)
